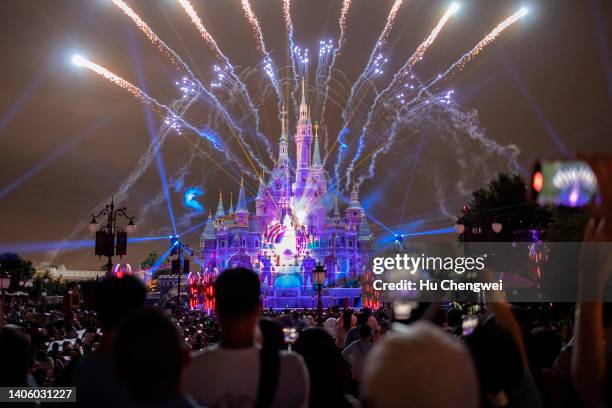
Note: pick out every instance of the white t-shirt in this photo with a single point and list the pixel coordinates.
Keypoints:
(218, 377)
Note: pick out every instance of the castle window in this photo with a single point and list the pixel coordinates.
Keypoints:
(244, 242)
(222, 244)
(350, 244)
(256, 244)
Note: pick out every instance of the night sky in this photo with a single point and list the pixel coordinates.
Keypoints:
(68, 138)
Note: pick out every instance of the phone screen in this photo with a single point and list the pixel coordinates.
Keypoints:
(564, 183)
(290, 334)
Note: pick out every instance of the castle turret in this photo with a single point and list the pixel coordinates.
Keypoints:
(303, 139)
(241, 213)
(220, 210)
(354, 211)
(280, 181)
(230, 211)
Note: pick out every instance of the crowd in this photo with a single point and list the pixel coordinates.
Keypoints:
(494, 354)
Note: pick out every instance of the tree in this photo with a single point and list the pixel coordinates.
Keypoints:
(504, 201)
(19, 269)
(150, 260)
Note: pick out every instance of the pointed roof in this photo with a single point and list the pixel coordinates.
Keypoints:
(354, 198)
(283, 136)
(231, 207)
(209, 230)
(261, 191)
(220, 209)
(241, 207)
(316, 155)
(303, 106)
(364, 230)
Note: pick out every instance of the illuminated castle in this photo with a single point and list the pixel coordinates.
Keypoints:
(296, 224)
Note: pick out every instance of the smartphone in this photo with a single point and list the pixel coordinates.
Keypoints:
(468, 325)
(290, 334)
(564, 183)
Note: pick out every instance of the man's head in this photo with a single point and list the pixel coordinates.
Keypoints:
(421, 363)
(237, 295)
(365, 331)
(149, 356)
(15, 356)
(362, 318)
(115, 298)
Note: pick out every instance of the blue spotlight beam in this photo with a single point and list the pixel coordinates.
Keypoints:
(56, 154)
(195, 227)
(159, 161)
(45, 246)
(393, 237)
(409, 186)
(161, 259)
(23, 98)
(550, 130)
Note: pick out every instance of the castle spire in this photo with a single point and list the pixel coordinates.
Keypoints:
(336, 207)
(209, 229)
(241, 207)
(231, 207)
(303, 105)
(261, 190)
(354, 204)
(316, 155)
(220, 209)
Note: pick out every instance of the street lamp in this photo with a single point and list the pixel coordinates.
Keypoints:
(111, 239)
(319, 278)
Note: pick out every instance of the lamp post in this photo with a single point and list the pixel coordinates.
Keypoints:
(44, 299)
(319, 278)
(5, 282)
(111, 239)
(180, 266)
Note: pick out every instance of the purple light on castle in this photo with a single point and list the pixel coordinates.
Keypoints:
(296, 224)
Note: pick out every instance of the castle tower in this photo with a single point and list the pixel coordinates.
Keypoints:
(278, 193)
(241, 213)
(354, 212)
(303, 140)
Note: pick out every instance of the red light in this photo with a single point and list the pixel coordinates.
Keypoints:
(538, 181)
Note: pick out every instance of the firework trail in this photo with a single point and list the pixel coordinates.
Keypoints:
(326, 51)
(346, 4)
(372, 69)
(291, 44)
(161, 45)
(261, 46)
(406, 69)
(198, 23)
(174, 120)
(488, 39)
(143, 164)
(212, 100)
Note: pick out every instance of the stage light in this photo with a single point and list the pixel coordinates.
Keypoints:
(454, 7)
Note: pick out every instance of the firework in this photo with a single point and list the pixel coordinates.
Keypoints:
(372, 68)
(422, 48)
(396, 81)
(269, 68)
(197, 22)
(161, 45)
(482, 44)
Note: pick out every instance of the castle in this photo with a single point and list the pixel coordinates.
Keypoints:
(297, 223)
